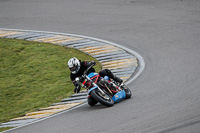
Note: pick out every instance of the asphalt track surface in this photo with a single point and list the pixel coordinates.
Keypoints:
(166, 33)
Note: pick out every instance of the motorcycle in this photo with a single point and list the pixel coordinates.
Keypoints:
(103, 89)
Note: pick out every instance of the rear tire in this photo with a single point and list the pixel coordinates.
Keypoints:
(105, 100)
(128, 92)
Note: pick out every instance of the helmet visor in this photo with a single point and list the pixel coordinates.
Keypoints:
(73, 68)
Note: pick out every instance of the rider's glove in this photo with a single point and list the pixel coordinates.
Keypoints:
(77, 81)
(77, 89)
(93, 62)
(82, 78)
(89, 63)
(77, 85)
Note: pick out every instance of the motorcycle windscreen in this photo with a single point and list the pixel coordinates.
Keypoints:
(119, 96)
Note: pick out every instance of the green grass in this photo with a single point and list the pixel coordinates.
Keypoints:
(34, 75)
(5, 128)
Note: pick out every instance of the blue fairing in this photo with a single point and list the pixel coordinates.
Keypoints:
(119, 96)
(92, 89)
(92, 75)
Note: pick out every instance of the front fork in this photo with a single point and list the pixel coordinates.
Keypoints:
(95, 86)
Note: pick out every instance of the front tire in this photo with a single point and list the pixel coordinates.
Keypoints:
(105, 100)
(91, 101)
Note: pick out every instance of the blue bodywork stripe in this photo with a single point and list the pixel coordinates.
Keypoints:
(92, 89)
(92, 75)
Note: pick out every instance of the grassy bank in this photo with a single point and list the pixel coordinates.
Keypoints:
(4, 128)
(33, 75)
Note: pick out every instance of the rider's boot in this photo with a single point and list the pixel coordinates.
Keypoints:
(118, 80)
(107, 72)
(115, 78)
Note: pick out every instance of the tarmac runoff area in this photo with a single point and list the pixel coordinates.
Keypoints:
(123, 62)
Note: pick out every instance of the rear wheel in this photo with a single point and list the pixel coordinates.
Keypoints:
(128, 92)
(103, 99)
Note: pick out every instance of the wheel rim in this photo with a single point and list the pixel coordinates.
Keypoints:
(105, 97)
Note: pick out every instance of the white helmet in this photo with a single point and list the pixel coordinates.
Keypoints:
(74, 65)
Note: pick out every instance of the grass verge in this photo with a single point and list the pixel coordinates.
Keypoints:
(5, 128)
(34, 75)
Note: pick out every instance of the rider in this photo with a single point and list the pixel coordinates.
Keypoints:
(77, 68)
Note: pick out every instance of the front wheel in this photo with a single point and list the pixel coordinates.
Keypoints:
(91, 101)
(103, 99)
